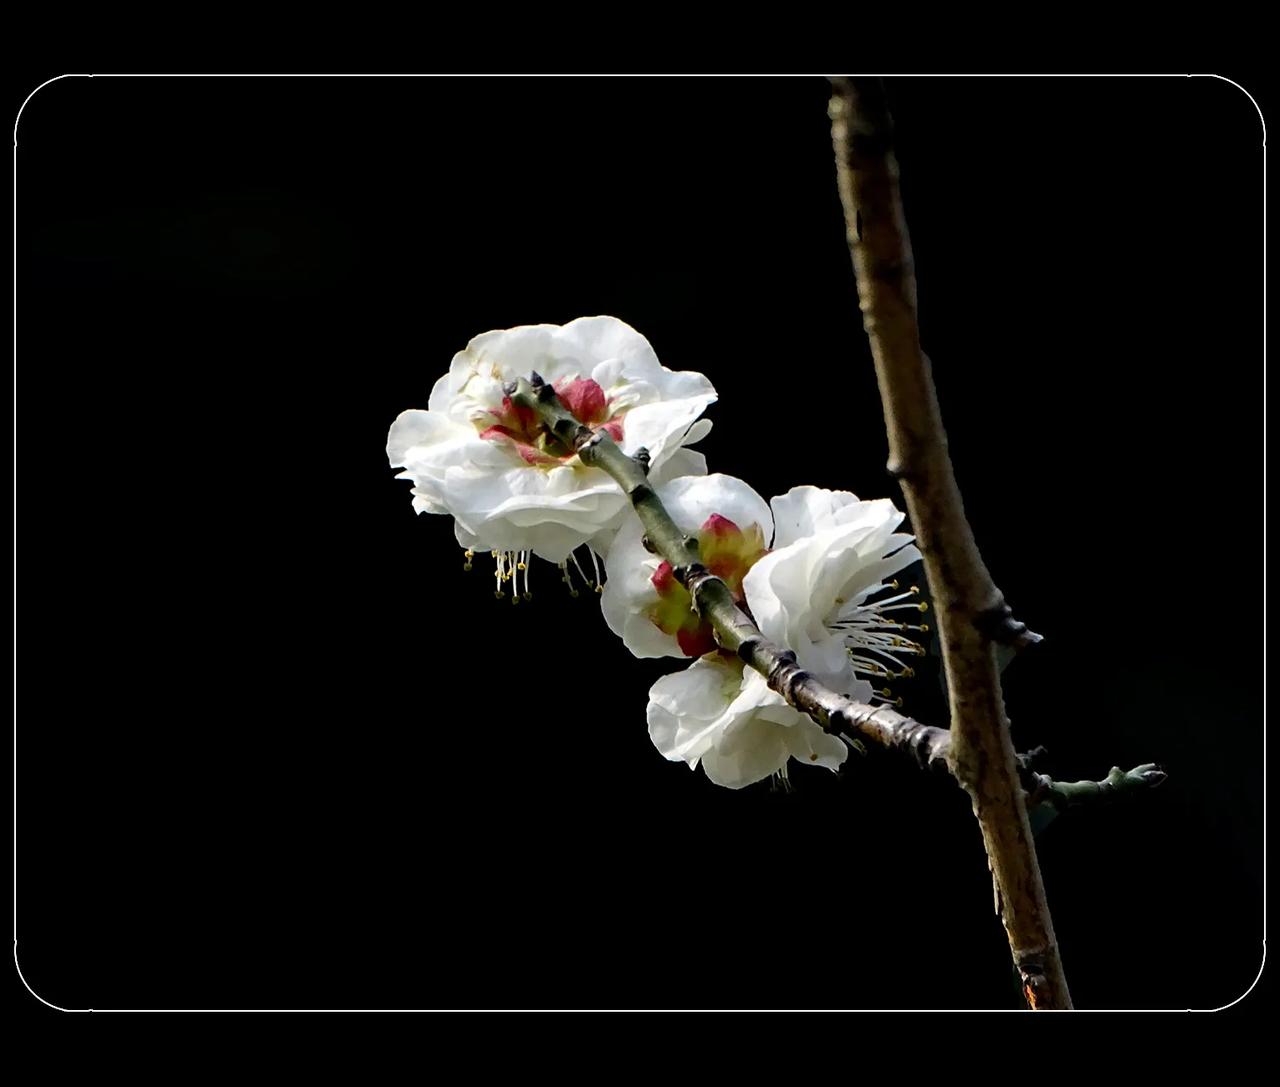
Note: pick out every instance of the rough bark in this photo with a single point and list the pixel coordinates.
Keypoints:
(971, 613)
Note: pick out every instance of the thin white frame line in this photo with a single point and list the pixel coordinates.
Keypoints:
(614, 75)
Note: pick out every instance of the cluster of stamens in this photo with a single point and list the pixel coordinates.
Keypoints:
(590, 582)
(510, 567)
(507, 568)
(874, 642)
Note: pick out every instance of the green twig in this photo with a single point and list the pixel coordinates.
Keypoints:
(1042, 789)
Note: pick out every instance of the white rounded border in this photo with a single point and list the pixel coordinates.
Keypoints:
(887, 75)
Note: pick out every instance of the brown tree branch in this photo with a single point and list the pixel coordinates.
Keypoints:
(971, 612)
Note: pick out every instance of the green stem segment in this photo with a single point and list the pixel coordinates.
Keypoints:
(734, 629)
(1042, 789)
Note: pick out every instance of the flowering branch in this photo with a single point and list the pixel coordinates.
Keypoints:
(971, 612)
(734, 629)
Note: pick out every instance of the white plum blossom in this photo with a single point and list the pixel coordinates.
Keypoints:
(723, 715)
(643, 603)
(812, 593)
(510, 486)
(832, 553)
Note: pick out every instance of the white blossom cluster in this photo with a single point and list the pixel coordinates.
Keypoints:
(812, 567)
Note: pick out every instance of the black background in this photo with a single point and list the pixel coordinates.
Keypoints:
(276, 750)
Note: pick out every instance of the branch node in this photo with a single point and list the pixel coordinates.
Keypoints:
(997, 624)
(688, 572)
(897, 469)
(1028, 760)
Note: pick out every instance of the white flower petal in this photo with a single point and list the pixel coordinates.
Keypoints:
(802, 511)
(690, 500)
(684, 462)
(809, 745)
(629, 594)
(723, 715)
(420, 429)
(796, 587)
(758, 749)
(697, 432)
(660, 427)
(423, 504)
(611, 340)
(798, 592)
(688, 710)
(495, 495)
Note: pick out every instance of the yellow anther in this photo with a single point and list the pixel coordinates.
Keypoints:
(924, 605)
(915, 589)
(515, 598)
(908, 672)
(493, 554)
(521, 566)
(924, 628)
(885, 691)
(468, 554)
(466, 566)
(599, 588)
(573, 592)
(894, 583)
(898, 702)
(528, 597)
(498, 594)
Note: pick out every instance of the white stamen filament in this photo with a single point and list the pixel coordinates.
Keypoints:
(865, 630)
(567, 578)
(893, 599)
